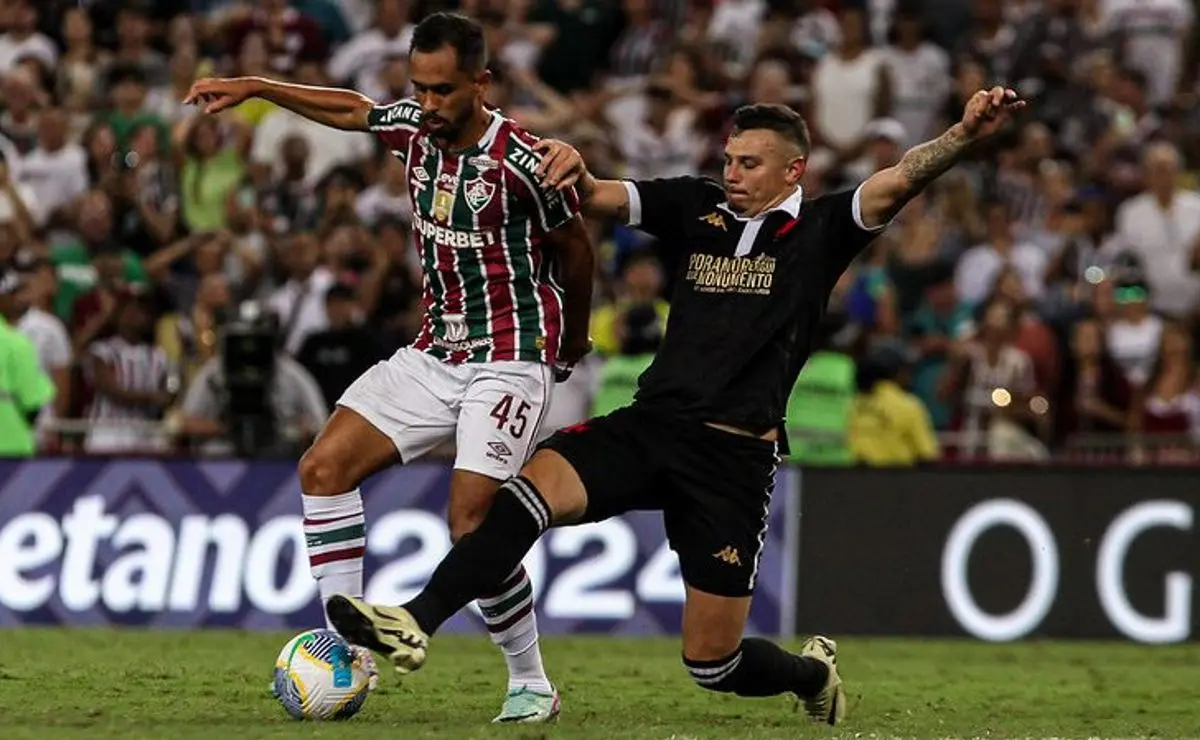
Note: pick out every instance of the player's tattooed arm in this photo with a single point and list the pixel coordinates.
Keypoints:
(882, 196)
(562, 166)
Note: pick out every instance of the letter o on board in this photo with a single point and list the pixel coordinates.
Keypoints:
(956, 589)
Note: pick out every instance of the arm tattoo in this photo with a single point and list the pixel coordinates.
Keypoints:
(924, 163)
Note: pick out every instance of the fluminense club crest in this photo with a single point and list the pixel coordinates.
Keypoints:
(478, 193)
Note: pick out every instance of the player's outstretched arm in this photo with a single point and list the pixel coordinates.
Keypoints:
(562, 166)
(333, 107)
(883, 194)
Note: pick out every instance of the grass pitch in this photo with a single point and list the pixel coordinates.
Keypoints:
(179, 685)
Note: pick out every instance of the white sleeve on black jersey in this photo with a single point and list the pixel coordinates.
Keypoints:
(664, 207)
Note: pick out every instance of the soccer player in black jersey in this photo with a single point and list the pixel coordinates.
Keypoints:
(758, 264)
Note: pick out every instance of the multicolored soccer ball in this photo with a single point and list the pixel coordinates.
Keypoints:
(317, 676)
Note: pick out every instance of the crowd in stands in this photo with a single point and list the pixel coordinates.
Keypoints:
(1039, 296)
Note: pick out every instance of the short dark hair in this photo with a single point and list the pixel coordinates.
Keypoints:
(778, 118)
(458, 32)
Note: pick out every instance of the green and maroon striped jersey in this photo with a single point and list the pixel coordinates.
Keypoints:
(480, 219)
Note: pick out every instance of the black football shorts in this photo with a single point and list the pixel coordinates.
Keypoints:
(713, 487)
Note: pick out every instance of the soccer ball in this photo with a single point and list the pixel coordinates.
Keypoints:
(318, 676)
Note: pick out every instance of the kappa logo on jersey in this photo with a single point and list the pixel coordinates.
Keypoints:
(715, 219)
(479, 193)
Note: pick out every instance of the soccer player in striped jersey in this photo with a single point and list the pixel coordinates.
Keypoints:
(507, 293)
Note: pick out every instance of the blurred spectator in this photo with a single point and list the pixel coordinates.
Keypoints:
(1168, 404)
(46, 331)
(1152, 35)
(665, 142)
(91, 260)
(23, 99)
(299, 304)
(387, 198)
(293, 399)
(991, 381)
(327, 148)
(733, 30)
(1079, 262)
(397, 309)
(1096, 396)
(146, 195)
(888, 426)
(133, 27)
(1162, 227)
(55, 171)
(934, 329)
(641, 43)
(818, 409)
(166, 100)
(981, 265)
(574, 36)
(641, 283)
(360, 61)
(76, 77)
(132, 381)
(188, 334)
(16, 220)
(127, 111)
(639, 334)
(289, 202)
(213, 155)
(989, 41)
(21, 39)
(851, 87)
(291, 36)
(919, 72)
(1134, 334)
(337, 355)
(24, 386)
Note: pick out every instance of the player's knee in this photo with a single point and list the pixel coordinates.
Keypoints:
(715, 674)
(558, 484)
(321, 475)
(465, 521)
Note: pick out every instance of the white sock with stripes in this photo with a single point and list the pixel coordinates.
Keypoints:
(335, 536)
(512, 624)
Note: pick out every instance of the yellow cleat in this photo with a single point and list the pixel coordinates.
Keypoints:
(388, 630)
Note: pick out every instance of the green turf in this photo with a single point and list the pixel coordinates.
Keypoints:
(214, 685)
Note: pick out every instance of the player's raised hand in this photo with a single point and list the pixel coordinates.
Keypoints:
(988, 110)
(562, 165)
(217, 94)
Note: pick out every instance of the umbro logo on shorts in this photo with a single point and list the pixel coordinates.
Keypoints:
(498, 451)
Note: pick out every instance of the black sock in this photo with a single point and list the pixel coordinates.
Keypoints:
(760, 668)
(479, 562)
